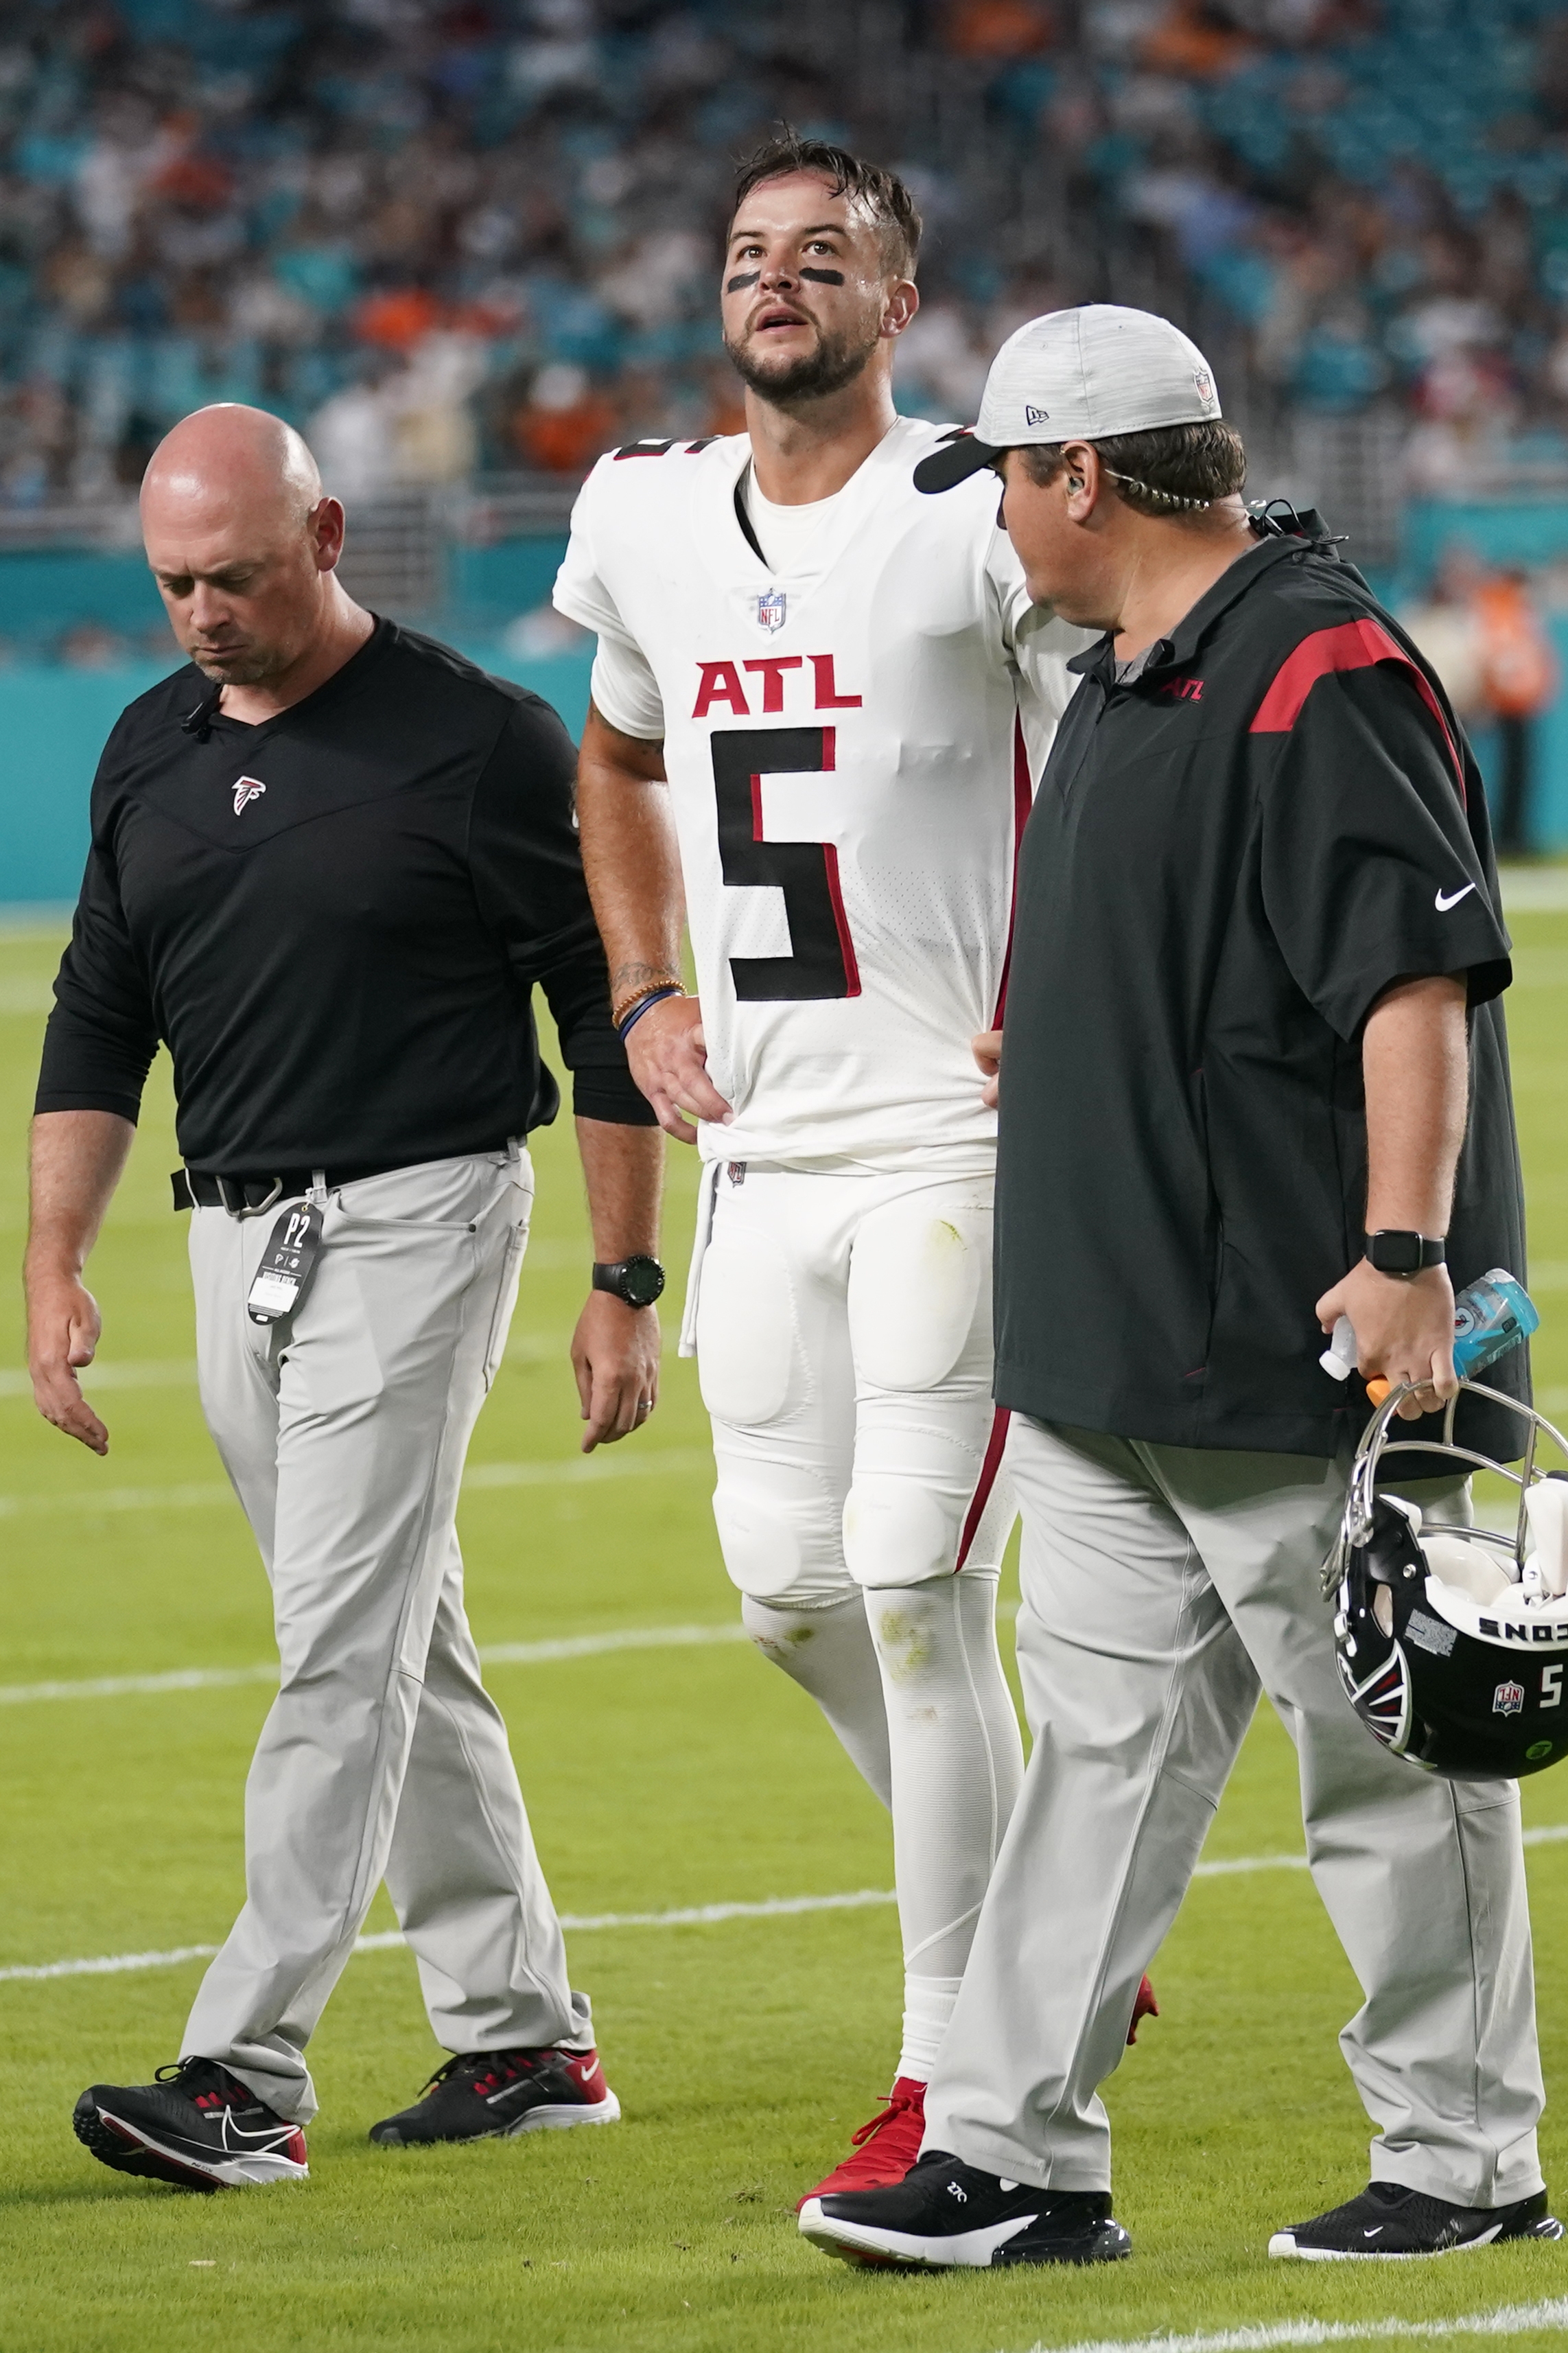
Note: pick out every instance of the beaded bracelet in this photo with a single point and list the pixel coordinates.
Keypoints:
(659, 986)
(629, 1022)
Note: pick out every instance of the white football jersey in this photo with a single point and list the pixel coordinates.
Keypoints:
(849, 741)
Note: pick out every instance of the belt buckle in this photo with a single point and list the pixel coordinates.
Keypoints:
(261, 1207)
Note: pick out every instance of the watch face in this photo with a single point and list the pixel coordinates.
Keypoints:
(1395, 1253)
(642, 1280)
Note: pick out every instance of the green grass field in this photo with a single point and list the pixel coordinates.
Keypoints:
(659, 1778)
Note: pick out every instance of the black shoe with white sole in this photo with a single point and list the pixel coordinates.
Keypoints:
(945, 2212)
(490, 2094)
(196, 2127)
(1387, 2222)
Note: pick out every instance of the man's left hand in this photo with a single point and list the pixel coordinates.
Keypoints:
(1404, 1326)
(614, 1354)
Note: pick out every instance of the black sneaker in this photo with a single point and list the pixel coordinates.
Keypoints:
(1388, 2222)
(196, 2125)
(945, 2212)
(490, 2094)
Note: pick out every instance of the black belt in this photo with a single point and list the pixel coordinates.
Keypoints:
(249, 1195)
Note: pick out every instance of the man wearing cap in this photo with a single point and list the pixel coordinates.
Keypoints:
(1256, 1078)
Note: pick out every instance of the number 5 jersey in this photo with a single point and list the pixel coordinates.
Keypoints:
(849, 733)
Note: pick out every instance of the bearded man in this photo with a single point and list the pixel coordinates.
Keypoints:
(819, 703)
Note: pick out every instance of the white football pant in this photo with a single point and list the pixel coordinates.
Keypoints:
(842, 1325)
(344, 1429)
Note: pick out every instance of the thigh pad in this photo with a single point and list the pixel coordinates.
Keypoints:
(749, 1357)
(919, 1289)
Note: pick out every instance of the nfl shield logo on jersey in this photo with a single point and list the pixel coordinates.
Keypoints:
(1508, 1699)
(771, 605)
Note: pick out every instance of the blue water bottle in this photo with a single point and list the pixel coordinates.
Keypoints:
(1491, 1315)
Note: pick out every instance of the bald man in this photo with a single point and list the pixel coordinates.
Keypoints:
(330, 861)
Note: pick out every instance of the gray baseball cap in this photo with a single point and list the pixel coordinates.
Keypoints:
(1080, 376)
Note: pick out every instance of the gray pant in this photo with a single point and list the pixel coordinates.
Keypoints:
(1163, 1586)
(344, 1430)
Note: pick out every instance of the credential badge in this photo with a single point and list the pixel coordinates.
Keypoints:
(247, 789)
(771, 606)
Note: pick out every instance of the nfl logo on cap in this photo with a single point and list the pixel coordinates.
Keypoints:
(771, 605)
(1508, 1699)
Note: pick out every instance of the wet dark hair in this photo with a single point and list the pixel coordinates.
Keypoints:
(882, 195)
(1172, 470)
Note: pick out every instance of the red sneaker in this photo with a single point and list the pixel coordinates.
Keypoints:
(884, 2149)
(1144, 2007)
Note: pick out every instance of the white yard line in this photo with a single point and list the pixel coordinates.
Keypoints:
(675, 1462)
(702, 1915)
(1506, 2320)
(151, 1373)
(588, 1470)
(498, 1654)
(180, 1372)
(180, 1679)
(696, 1916)
(625, 1638)
(207, 1496)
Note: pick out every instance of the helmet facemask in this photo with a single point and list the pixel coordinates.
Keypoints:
(1452, 1641)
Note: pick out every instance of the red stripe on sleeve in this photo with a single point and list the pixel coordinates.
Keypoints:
(1353, 645)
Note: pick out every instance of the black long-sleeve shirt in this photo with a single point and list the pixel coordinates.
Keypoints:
(335, 920)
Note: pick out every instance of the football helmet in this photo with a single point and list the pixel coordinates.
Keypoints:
(1452, 1641)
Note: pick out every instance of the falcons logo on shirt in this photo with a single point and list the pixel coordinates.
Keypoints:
(247, 789)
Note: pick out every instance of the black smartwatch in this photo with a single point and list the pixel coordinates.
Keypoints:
(635, 1281)
(1396, 1251)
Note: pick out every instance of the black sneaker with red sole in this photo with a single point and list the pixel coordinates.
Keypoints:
(195, 2126)
(491, 2095)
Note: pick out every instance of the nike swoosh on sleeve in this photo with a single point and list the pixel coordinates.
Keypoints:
(1443, 903)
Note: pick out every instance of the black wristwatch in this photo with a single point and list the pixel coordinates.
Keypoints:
(1393, 1250)
(636, 1281)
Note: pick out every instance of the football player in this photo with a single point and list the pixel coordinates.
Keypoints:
(817, 702)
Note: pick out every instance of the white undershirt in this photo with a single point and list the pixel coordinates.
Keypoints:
(785, 532)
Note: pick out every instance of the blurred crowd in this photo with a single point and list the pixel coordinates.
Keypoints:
(1483, 629)
(1379, 193)
(480, 237)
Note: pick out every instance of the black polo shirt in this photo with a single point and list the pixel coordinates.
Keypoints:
(1230, 857)
(336, 920)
